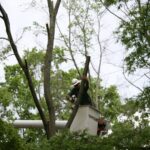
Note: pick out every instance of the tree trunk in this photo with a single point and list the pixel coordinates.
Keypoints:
(47, 65)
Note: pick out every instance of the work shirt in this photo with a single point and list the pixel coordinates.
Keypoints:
(85, 98)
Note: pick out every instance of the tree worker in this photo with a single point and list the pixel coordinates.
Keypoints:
(74, 92)
(101, 129)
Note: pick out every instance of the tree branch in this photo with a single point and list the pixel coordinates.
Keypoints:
(21, 35)
(47, 67)
(100, 58)
(147, 75)
(36, 101)
(57, 6)
(69, 48)
(48, 32)
(50, 6)
(3, 38)
(131, 82)
(10, 38)
(24, 66)
(112, 12)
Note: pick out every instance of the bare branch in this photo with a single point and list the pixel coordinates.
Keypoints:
(115, 14)
(7, 25)
(147, 75)
(69, 47)
(20, 37)
(36, 101)
(100, 58)
(112, 12)
(130, 81)
(48, 32)
(3, 38)
(24, 66)
(94, 68)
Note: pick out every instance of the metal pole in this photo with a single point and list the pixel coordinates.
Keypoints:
(37, 124)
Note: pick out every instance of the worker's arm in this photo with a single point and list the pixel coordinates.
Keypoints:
(71, 96)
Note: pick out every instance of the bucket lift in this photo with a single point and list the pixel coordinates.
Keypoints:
(85, 119)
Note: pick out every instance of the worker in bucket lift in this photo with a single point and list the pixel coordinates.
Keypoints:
(101, 129)
(74, 92)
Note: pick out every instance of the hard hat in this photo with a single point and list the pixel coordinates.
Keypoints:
(75, 82)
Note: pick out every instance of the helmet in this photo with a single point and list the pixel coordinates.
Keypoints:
(75, 82)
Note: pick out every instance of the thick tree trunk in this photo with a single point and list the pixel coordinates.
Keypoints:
(47, 65)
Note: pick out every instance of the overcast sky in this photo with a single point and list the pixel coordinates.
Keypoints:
(21, 15)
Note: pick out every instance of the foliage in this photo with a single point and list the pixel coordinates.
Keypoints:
(124, 136)
(82, 25)
(9, 138)
(18, 94)
(16, 100)
(73, 141)
(133, 31)
(134, 34)
(109, 102)
(144, 98)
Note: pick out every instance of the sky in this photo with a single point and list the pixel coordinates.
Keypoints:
(21, 15)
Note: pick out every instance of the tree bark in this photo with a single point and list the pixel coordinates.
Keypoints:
(47, 65)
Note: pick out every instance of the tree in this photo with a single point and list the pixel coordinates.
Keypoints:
(9, 138)
(49, 125)
(133, 31)
(84, 35)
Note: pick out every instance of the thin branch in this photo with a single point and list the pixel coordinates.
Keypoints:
(115, 14)
(94, 68)
(70, 45)
(3, 38)
(9, 55)
(131, 82)
(112, 12)
(100, 58)
(20, 36)
(69, 48)
(128, 11)
(48, 32)
(147, 75)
